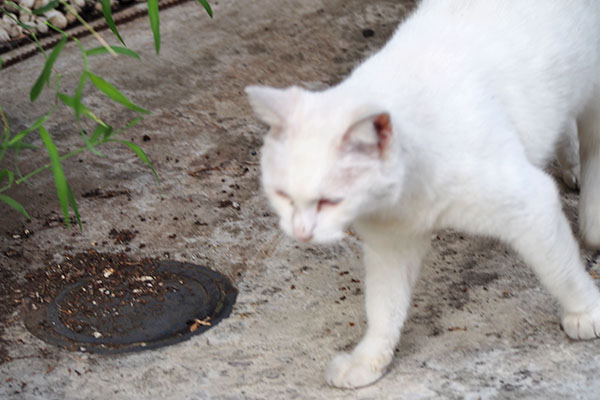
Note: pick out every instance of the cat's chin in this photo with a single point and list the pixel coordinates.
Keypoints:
(320, 237)
(326, 238)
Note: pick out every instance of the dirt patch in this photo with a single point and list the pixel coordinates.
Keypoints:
(10, 298)
(458, 292)
(124, 236)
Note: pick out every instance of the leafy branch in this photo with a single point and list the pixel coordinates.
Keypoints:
(103, 132)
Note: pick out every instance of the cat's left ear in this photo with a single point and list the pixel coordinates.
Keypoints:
(370, 136)
(273, 106)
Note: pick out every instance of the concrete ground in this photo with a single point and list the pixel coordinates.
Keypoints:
(480, 325)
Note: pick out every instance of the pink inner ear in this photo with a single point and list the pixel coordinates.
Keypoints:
(383, 128)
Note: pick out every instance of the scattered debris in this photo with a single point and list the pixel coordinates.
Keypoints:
(12, 253)
(199, 322)
(122, 236)
(457, 328)
(368, 33)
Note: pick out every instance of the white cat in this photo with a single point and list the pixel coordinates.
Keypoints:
(448, 126)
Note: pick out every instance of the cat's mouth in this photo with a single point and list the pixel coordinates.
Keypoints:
(319, 237)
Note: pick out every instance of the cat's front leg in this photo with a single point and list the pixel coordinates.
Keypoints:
(392, 262)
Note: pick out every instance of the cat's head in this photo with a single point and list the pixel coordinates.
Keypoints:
(327, 159)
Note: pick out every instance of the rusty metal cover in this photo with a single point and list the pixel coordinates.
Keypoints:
(167, 302)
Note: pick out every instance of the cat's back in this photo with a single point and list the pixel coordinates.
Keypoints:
(525, 40)
(539, 60)
(522, 29)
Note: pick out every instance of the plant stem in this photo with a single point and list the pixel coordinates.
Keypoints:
(6, 134)
(89, 27)
(47, 166)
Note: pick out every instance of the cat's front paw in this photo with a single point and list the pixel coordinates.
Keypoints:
(353, 371)
(582, 326)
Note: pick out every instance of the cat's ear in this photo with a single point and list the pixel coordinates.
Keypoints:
(369, 135)
(273, 106)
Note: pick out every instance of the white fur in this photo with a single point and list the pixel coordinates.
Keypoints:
(481, 93)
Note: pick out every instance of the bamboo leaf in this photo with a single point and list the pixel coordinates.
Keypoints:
(90, 145)
(47, 71)
(100, 130)
(20, 135)
(140, 153)
(117, 49)
(79, 93)
(14, 204)
(27, 146)
(73, 204)
(131, 124)
(206, 7)
(16, 20)
(114, 94)
(50, 6)
(6, 131)
(154, 23)
(107, 12)
(6, 173)
(70, 102)
(60, 181)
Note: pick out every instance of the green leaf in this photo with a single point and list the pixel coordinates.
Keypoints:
(154, 23)
(206, 7)
(47, 71)
(62, 188)
(1, 62)
(117, 49)
(73, 204)
(140, 153)
(20, 135)
(6, 173)
(16, 20)
(70, 102)
(14, 204)
(50, 6)
(89, 144)
(86, 66)
(109, 19)
(79, 93)
(131, 124)
(100, 130)
(114, 94)
(22, 145)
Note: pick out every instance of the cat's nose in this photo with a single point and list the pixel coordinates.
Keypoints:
(302, 233)
(305, 237)
(303, 225)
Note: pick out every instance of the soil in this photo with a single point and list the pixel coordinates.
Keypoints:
(10, 298)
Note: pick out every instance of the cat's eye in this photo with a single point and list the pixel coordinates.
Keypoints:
(327, 203)
(283, 195)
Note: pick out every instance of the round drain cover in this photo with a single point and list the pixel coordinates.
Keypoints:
(130, 306)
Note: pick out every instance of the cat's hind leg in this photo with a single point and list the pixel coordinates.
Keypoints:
(520, 204)
(589, 150)
(392, 262)
(567, 154)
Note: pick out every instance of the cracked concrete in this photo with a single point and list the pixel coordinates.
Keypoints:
(480, 325)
